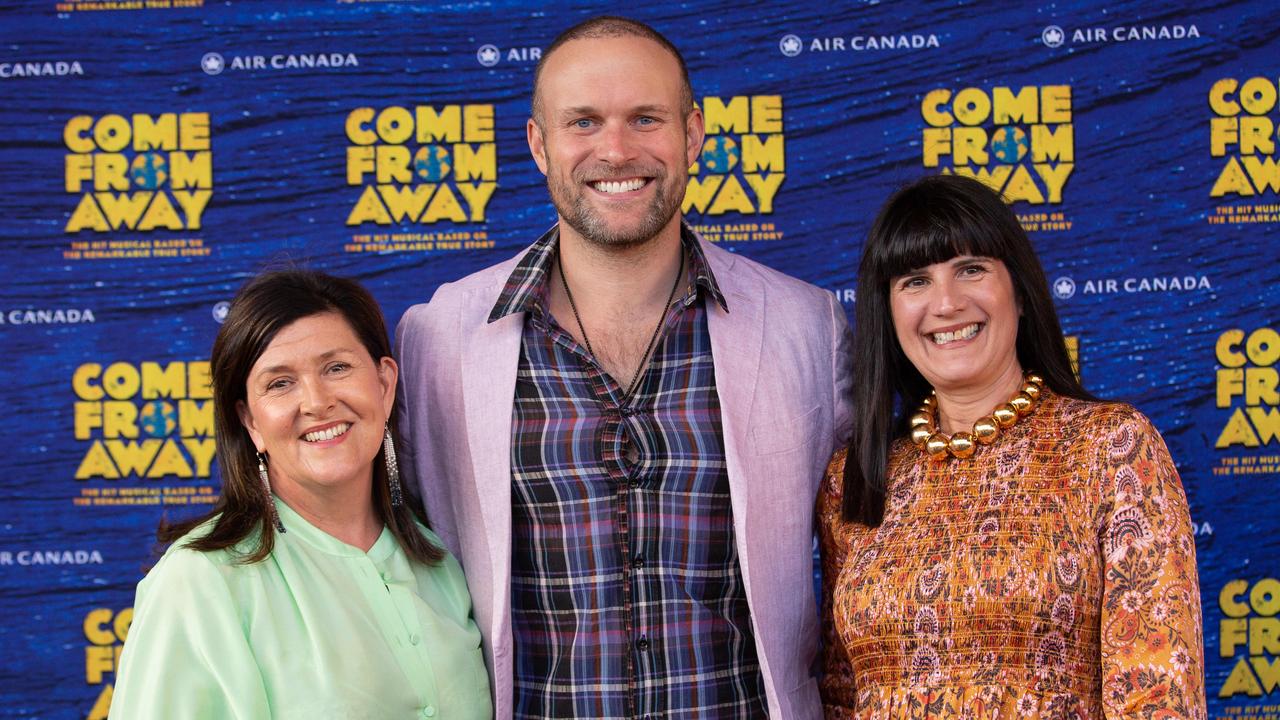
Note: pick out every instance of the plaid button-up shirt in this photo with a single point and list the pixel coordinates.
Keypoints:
(627, 598)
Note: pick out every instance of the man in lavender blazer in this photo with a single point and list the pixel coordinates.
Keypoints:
(590, 470)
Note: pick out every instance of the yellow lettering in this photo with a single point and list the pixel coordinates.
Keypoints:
(369, 209)
(765, 187)
(1022, 187)
(97, 463)
(767, 155)
(202, 452)
(734, 117)
(87, 215)
(444, 205)
(936, 143)
(1054, 178)
(193, 204)
(75, 132)
(479, 163)
(931, 108)
(478, 123)
(766, 114)
(406, 202)
(194, 170)
(195, 418)
(1231, 180)
(169, 461)
(1241, 680)
(442, 126)
(1053, 143)
(699, 193)
(1238, 431)
(1219, 100)
(1023, 107)
(358, 132)
(477, 196)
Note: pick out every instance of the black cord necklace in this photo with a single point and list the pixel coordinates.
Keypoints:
(635, 378)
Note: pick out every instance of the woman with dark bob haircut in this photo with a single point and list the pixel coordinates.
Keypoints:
(995, 541)
(312, 589)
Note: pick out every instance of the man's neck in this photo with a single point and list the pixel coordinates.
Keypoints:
(619, 295)
(619, 280)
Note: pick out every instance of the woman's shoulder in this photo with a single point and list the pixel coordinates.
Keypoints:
(183, 563)
(1090, 421)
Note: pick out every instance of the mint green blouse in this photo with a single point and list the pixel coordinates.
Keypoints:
(319, 629)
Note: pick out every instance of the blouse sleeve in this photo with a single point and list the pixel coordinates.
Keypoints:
(1152, 645)
(839, 696)
(186, 655)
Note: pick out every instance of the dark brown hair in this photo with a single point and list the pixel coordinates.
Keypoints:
(611, 26)
(264, 306)
(930, 221)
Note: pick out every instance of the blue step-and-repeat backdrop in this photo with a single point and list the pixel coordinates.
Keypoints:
(155, 153)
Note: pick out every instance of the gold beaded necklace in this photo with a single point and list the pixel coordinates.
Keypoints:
(924, 426)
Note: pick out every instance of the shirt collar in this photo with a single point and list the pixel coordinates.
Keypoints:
(523, 289)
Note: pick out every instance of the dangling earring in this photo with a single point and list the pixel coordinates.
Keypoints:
(393, 467)
(266, 485)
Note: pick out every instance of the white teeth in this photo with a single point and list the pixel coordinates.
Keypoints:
(610, 186)
(963, 333)
(329, 434)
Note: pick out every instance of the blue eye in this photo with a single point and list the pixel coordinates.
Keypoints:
(645, 120)
(582, 124)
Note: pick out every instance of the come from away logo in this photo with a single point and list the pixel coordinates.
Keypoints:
(1242, 136)
(419, 166)
(1019, 141)
(139, 173)
(143, 424)
(742, 165)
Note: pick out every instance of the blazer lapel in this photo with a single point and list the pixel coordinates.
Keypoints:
(736, 340)
(492, 359)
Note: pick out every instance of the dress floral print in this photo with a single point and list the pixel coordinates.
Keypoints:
(1051, 575)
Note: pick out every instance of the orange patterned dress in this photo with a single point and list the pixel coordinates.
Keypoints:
(1050, 575)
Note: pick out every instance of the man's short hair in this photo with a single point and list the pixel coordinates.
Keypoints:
(612, 26)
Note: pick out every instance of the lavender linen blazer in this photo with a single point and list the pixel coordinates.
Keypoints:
(782, 364)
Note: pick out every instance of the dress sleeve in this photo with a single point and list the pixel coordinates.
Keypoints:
(1152, 645)
(839, 695)
(186, 655)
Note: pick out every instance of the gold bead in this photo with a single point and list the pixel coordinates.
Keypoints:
(929, 401)
(1032, 391)
(1005, 415)
(1021, 403)
(961, 445)
(986, 430)
(921, 418)
(936, 446)
(1034, 378)
(920, 435)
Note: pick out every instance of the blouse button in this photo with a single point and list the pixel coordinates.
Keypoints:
(414, 639)
(429, 711)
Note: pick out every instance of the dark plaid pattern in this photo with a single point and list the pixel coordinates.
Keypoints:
(627, 597)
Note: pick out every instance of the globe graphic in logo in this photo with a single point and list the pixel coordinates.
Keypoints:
(720, 154)
(431, 163)
(157, 418)
(149, 170)
(1009, 145)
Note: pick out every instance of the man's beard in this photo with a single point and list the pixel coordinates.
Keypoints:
(572, 204)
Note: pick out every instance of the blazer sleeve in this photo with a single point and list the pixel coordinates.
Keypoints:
(420, 349)
(842, 372)
(186, 655)
(1152, 645)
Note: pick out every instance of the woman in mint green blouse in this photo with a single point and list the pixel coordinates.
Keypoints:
(312, 590)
